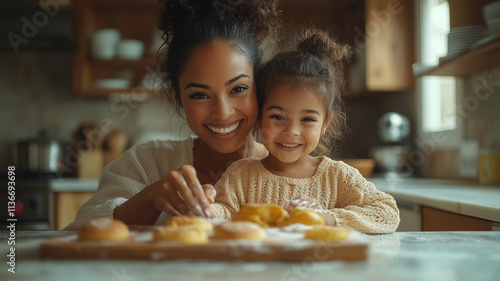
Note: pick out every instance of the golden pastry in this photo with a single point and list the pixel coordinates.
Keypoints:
(189, 234)
(199, 222)
(330, 233)
(239, 230)
(101, 229)
(265, 215)
(303, 216)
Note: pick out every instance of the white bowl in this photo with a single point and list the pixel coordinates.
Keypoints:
(102, 51)
(111, 83)
(491, 11)
(108, 35)
(103, 43)
(130, 49)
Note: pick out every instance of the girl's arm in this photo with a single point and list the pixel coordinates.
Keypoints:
(230, 194)
(361, 206)
(355, 203)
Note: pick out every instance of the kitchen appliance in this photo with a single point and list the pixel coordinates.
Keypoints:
(39, 155)
(33, 204)
(37, 162)
(391, 158)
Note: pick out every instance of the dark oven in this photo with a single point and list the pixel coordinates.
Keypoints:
(33, 205)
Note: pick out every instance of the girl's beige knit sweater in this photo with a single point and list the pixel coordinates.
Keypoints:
(340, 189)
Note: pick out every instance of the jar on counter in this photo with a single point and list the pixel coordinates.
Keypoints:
(489, 165)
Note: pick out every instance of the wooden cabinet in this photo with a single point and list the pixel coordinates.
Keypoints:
(438, 220)
(383, 46)
(135, 19)
(67, 205)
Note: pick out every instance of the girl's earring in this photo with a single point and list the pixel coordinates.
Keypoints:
(323, 133)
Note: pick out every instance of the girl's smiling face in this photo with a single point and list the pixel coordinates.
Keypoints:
(293, 119)
(217, 92)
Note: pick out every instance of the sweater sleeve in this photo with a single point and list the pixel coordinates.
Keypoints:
(361, 206)
(230, 192)
(115, 187)
(137, 168)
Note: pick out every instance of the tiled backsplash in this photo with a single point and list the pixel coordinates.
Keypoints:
(36, 94)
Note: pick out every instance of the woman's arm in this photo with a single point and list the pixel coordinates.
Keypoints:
(172, 195)
(140, 209)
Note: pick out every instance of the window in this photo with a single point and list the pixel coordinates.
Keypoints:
(439, 95)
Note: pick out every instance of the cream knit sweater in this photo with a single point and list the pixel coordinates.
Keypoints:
(340, 189)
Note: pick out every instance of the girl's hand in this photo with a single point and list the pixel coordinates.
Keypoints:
(304, 202)
(181, 193)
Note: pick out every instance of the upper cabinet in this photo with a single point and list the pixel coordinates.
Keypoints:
(381, 33)
(100, 70)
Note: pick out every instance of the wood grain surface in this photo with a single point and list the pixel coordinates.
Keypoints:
(140, 246)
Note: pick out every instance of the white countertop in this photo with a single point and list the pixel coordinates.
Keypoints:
(405, 256)
(466, 198)
(73, 185)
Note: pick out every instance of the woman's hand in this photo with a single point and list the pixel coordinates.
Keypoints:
(182, 194)
(304, 202)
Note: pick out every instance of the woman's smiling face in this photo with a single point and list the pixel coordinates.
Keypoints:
(217, 91)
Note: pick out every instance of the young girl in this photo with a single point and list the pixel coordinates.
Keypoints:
(300, 104)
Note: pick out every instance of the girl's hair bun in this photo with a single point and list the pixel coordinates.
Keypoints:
(319, 43)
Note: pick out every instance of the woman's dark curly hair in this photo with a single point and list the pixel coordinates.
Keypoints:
(187, 24)
(316, 64)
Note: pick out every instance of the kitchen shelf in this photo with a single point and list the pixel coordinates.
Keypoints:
(471, 62)
(135, 19)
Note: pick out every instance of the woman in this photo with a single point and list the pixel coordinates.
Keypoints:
(213, 52)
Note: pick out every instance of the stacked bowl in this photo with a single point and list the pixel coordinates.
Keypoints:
(103, 43)
(491, 13)
(460, 39)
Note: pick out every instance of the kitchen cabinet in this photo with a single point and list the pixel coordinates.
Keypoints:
(67, 205)
(135, 19)
(383, 47)
(410, 214)
(438, 220)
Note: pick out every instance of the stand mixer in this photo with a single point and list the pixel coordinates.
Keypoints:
(391, 157)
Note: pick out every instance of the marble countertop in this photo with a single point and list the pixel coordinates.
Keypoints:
(466, 198)
(73, 185)
(402, 256)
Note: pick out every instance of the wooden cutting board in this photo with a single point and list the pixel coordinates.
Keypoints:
(279, 246)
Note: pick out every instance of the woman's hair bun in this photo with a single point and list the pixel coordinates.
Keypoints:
(263, 17)
(319, 43)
